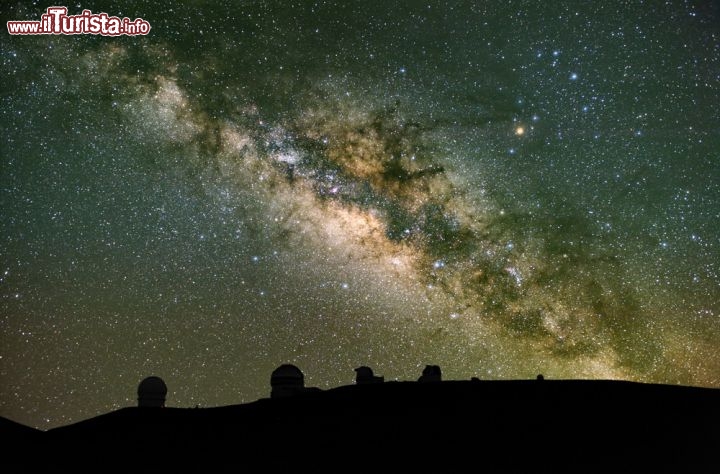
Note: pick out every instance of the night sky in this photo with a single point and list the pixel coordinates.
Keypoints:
(501, 188)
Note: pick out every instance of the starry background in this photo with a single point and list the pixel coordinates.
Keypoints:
(500, 188)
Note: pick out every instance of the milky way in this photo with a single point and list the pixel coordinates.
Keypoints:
(502, 190)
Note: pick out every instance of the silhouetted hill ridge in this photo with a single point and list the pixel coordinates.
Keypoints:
(595, 424)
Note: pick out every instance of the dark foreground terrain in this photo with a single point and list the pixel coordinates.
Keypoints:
(473, 426)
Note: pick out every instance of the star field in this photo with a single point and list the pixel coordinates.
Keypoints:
(499, 188)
